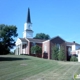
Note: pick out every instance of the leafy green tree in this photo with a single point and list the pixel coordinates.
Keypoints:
(7, 35)
(36, 49)
(42, 36)
(55, 51)
(61, 54)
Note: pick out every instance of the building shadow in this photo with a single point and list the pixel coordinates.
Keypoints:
(12, 58)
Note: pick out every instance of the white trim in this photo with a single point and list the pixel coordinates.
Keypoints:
(27, 39)
(45, 41)
(35, 42)
(18, 42)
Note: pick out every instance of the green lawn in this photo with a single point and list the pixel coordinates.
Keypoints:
(32, 68)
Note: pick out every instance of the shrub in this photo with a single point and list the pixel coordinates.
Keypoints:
(55, 51)
(36, 49)
(73, 58)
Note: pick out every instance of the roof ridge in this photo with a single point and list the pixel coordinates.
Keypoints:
(36, 39)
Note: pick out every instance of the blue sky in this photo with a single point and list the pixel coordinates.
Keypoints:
(53, 17)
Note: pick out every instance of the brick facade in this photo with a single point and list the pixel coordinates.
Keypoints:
(46, 46)
(46, 49)
(55, 41)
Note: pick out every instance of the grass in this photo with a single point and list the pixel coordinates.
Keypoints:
(31, 68)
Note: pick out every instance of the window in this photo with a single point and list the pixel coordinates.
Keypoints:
(33, 44)
(58, 46)
(24, 46)
(69, 51)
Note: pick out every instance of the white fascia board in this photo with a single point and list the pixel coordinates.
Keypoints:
(18, 42)
(45, 41)
(27, 39)
(36, 42)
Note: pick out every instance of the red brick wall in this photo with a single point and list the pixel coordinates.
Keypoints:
(55, 41)
(27, 48)
(38, 54)
(46, 49)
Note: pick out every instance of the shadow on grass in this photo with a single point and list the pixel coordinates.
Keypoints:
(12, 58)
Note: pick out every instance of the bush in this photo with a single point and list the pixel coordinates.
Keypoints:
(73, 58)
(36, 50)
(55, 51)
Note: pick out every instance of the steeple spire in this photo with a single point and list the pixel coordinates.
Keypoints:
(28, 16)
(28, 32)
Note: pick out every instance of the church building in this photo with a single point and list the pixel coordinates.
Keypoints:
(23, 45)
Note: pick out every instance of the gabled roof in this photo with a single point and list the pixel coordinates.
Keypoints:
(35, 40)
(40, 41)
(69, 43)
(57, 37)
(23, 39)
(31, 40)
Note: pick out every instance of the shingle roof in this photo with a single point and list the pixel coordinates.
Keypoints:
(40, 41)
(32, 40)
(71, 43)
(23, 39)
(35, 40)
(57, 37)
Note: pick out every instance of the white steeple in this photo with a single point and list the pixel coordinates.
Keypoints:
(28, 32)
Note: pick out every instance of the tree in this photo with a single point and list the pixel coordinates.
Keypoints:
(36, 49)
(42, 36)
(7, 35)
(61, 54)
(55, 51)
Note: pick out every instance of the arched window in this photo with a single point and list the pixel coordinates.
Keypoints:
(69, 51)
(58, 46)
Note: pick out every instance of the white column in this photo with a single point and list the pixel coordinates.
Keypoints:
(79, 57)
(16, 53)
(21, 48)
